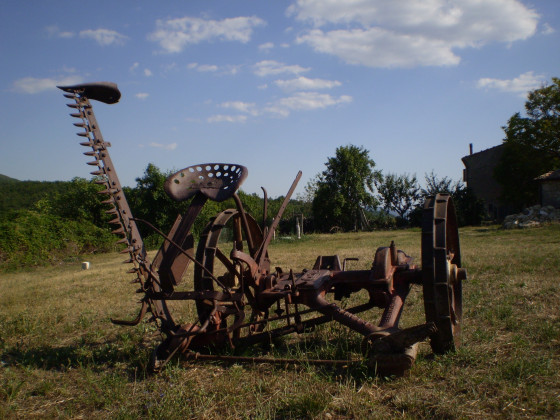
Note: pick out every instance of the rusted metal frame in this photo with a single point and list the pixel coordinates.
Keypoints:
(291, 328)
(133, 239)
(196, 295)
(265, 208)
(159, 232)
(262, 251)
(173, 263)
(344, 317)
(113, 183)
(441, 255)
(393, 311)
(281, 361)
(243, 215)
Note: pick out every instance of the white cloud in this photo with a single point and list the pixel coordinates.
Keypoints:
(147, 72)
(174, 35)
(305, 101)
(54, 31)
(380, 33)
(32, 85)
(547, 29)
(207, 68)
(203, 68)
(227, 118)
(266, 47)
(245, 107)
(520, 85)
(170, 146)
(377, 47)
(304, 83)
(271, 67)
(104, 36)
(142, 95)
(134, 66)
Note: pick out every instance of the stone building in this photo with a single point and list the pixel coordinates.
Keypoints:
(549, 188)
(479, 176)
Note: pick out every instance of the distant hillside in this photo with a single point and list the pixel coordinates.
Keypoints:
(20, 195)
(4, 178)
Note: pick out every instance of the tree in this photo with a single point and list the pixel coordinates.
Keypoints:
(532, 146)
(469, 208)
(435, 185)
(79, 200)
(399, 193)
(344, 189)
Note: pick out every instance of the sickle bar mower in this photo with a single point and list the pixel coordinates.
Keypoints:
(239, 300)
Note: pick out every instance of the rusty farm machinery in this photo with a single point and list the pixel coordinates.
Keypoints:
(240, 300)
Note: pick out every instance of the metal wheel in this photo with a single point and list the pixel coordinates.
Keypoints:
(224, 234)
(442, 273)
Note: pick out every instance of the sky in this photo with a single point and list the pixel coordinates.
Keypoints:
(275, 86)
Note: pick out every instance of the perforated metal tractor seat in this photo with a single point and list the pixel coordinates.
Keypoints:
(217, 181)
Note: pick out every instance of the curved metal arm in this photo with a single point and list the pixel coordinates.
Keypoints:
(175, 244)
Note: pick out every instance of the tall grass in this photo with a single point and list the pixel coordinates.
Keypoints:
(61, 357)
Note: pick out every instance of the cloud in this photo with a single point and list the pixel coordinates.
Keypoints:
(170, 146)
(54, 31)
(245, 107)
(376, 47)
(271, 67)
(227, 118)
(142, 95)
(266, 47)
(305, 101)
(173, 35)
(32, 85)
(547, 29)
(304, 83)
(520, 85)
(134, 66)
(203, 68)
(380, 33)
(104, 36)
(147, 72)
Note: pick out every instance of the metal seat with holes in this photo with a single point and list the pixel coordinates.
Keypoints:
(217, 181)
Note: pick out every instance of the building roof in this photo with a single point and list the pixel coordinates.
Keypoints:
(494, 149)
(549, 176)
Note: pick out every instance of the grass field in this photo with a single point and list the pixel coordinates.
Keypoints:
(61, 356)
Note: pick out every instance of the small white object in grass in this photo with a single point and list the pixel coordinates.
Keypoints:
(85, 265)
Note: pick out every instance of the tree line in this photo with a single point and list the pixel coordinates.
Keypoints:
(350, 194)
(48, 221)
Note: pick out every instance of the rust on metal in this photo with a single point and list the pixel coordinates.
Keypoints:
(240, 300)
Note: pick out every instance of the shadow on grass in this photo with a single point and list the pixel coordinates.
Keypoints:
(96, 357)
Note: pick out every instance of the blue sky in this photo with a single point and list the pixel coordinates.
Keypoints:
(276, 86)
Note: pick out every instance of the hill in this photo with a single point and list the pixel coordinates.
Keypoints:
(22, 195)
(7, 179)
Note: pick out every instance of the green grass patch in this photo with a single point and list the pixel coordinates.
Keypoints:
(60, 357)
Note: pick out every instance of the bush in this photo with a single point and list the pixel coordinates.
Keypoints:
(28, 238)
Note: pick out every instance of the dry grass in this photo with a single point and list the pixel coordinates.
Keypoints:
(61, 357)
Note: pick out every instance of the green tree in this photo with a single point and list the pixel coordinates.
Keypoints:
(435, 185)
(79, 201)
(399, 193)
(148, 201)
(470, 209)
(344, 189)
(532, 146)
